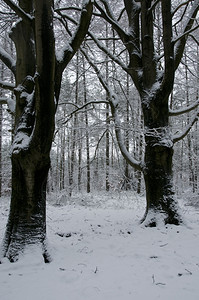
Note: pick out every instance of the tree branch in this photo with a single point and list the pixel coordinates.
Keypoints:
(78, 108)
(187, 109)
(179, 6)
(113, 101)
(69, 50)
(106, 51)
(108, 16)
(180, 44)
(20, 12)
(185, 34)
(180, 136)
(78, 36)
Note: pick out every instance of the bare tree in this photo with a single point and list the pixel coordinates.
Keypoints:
(38, 73)
(152, 66)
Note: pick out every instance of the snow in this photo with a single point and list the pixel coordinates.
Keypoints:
(20, 142)
(100, 251)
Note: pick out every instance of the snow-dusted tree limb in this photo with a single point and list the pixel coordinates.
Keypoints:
(181, 135)
(77, 38)
(180, 45)
(109, 17)
(106, 50)
(19, 11)
(185, 34)
(8, 60)
(181, 111)
(79, 108)
(113, 101)
(179, 6)
(67, 53)
(7, 85)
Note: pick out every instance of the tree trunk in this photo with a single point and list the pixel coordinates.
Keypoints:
(34, 128)
(161, 205)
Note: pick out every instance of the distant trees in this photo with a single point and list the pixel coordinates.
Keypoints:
(38, 73)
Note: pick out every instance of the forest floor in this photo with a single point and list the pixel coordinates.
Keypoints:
(100, 252)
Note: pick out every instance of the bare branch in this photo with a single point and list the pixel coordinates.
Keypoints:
(113, 101)
(187, 109)
(78, 36)
(185, 34)
(20, 12)
(106, 50)
(79, 108)
(179, 6)
(180, 136)
(108, 16)
(180, 44)
(69, 50)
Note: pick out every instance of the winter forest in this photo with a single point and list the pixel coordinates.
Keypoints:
(99, 148)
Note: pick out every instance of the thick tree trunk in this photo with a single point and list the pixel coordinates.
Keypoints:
(34, 128)
(27, 219)
(161, 204)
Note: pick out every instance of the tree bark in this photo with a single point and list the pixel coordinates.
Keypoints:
(33, 135)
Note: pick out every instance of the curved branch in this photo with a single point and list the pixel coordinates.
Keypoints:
(180, 45)
(69, 50)
(180, 136)
(179, 6)
(113, 101)
(78, 108)
(179, 112)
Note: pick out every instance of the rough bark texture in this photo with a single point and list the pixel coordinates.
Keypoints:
(34, 127)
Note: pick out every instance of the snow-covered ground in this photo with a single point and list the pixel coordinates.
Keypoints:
(101, 252)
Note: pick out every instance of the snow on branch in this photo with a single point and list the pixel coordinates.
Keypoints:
(106, 51)
(7, 60)
(79, 108)
(113, 101)
(19, 11)
(179, 6)
(181, 41)
(185, 34)
(181, 135)
(109, 17)
(181, 111)
(70, 49)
